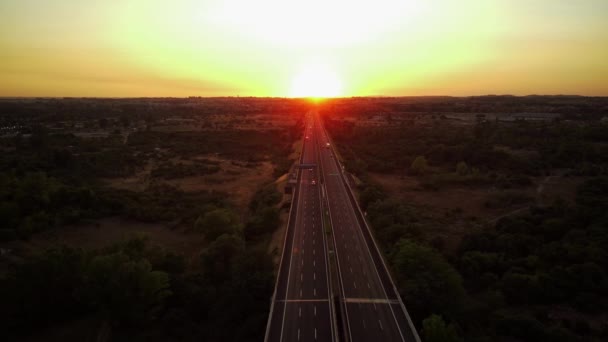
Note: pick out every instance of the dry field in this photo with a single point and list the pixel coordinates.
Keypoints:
(458, 209)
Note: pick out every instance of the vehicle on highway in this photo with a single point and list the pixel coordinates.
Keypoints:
(314, 182)
(327, 145)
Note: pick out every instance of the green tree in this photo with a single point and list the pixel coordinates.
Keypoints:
(462, 168)
(434, 329)
(370, 195)
(123, 289)
(266, 220)
(419, 166)
(427, 280)
(217, 222)
(218, 258)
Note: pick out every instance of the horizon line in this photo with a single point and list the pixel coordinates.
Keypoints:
(294, 98)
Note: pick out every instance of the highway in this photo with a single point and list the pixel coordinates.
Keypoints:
(369, 308)
(372, 308)
(301, 308)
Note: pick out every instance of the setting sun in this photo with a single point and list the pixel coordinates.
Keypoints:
(316, 80)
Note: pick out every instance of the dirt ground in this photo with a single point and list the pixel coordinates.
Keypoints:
(470, 202)
(109, 231)
(235, 178)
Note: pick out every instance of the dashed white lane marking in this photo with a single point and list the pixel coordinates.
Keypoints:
(300, 293)
(375, 309)
(301, 276)
(314, 276)
(314, 291)
(315, 333)
(315, 307)
(300, 311)
(364, 327)
(351, 269)
(314, 263)
(355, 283)
(313, 251)
(298, 334)
(369, 287)
(381, 328)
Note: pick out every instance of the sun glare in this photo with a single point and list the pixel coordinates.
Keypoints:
(316, 81)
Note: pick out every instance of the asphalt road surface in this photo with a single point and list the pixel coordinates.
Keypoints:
(301, 309)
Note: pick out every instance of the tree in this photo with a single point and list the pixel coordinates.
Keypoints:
(419, 166)
(217, 222)
(427, 280)
(219, 256)
(266, 220)
(123, 289)
(434, 329)
(462, 168)
(370, 195)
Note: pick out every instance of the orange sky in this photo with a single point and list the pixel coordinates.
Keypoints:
(319, 48)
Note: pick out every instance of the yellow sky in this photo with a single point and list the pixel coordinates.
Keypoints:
(284, 47)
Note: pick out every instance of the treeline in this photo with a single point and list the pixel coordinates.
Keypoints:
(149, 109)
(578, 107)
(136, 292)
(580, 147)
(35, 202)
